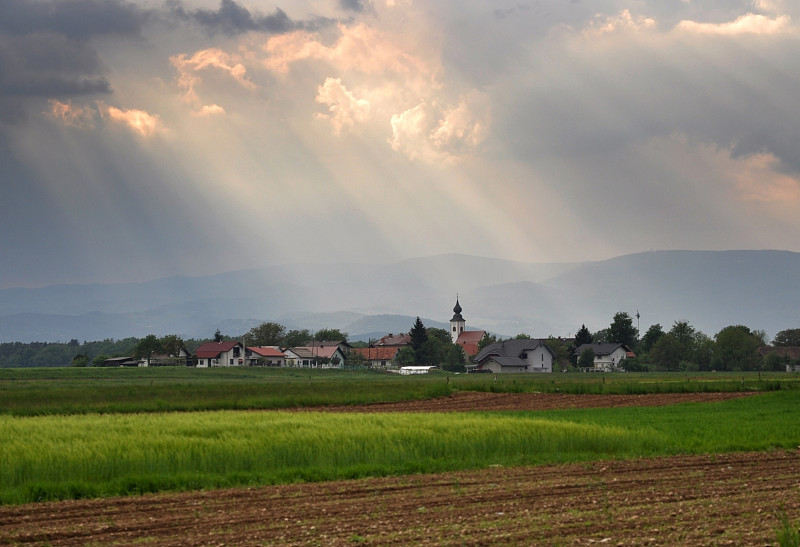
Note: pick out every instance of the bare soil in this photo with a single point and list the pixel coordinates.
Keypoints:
(733, 499)
(464, 401)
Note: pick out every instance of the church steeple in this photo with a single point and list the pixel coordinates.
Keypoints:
(457, 323)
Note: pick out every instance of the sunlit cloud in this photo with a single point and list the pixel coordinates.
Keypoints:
(622, 22)
(345, 109)
(433, 134)
(212, 58)
(758, 179)
(210, 110)
(359, 48)
(71, 115)
(464, 126)
(749, 23)
(138, 121)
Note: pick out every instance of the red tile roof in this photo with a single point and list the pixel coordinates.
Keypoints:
(316, 351)
(212, 350)
(394, 340)
(381, 353)
(469, 341)
(266, 352)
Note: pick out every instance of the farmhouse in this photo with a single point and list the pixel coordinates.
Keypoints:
(395, 340)
(220, 354)
(120, 362)
(329, 356)
(182, 359)
(607, 357)
(377, 357)
(518, 355)
(790, 355)
(270, 356)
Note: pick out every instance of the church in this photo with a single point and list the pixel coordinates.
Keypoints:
(467, 339)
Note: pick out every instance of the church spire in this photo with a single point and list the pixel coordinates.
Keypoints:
(457, 310)
(457, 323)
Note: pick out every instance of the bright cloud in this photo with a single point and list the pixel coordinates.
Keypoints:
(435, 135)
(359, 48)
(622, 22)
(345, 109)
(210, 110)
(211, 58)
(749, 23)
(138, 121)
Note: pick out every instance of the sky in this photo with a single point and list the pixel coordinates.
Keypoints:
(146, 139)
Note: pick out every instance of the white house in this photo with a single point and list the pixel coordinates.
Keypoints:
(518, 355)
(270, 356)
(315, 357)
(220, 354)
(607, 357)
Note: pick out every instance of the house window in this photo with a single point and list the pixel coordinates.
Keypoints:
(523, 356)
(230, 362)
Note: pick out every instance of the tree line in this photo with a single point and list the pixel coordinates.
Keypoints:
(683, 347)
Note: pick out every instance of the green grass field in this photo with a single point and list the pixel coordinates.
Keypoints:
(30, 392)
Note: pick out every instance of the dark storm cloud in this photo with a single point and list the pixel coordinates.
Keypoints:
(231, 18)
(77, 19)
(45, 49)
(352, 5)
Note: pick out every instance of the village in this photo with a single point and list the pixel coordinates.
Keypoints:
(476, 351)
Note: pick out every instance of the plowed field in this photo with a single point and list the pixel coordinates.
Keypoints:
(464, 401)
(690, 500)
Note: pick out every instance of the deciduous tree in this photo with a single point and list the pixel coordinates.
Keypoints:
(736, 348)
(296, 338)
(147, 347)
(651, 337)
(266, 334)
(667, 352)
(454, 359)
(586, 358)
(787, 338)
(334, 335)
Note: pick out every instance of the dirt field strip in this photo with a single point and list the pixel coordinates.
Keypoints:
(693, 500)
(467, 401)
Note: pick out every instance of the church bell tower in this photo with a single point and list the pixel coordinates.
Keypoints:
(457, 323)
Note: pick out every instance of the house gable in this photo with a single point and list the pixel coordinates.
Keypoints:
(518, 355)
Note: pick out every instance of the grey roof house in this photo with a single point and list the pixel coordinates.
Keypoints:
(518, 355)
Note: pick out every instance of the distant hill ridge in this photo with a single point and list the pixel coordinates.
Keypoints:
(710, 289)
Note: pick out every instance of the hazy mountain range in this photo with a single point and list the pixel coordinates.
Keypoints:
(710, 289)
